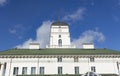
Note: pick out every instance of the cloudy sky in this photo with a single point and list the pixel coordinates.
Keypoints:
(90, 21)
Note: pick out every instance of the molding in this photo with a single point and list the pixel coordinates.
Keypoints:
(55, 56)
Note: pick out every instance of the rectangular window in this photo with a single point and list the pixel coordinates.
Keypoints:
(92, 59)
(0, 66)
(5, 65)
(42, 70)
(33, 70)
(93, 69)
(76, 59)
(60, 59)
(59, 70)
(24, 70)
(76, 70)
(15, 70)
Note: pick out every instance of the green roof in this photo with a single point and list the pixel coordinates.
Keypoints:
(59, 52)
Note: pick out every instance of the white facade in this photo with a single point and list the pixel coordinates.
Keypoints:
(103, 65)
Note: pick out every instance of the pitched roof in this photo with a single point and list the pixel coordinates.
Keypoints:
(60, 52)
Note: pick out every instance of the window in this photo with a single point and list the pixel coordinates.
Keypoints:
(60, 42)
(33, 70)
(76, 59)
(93, 69)
(41, 70)
(59, 36)
(24, 70)
(60, 59)
(92, 59)
(0, 66)
(15, 70)
(59, 70)
(76, 70)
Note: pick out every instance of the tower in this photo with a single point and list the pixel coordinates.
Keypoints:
(59, 35)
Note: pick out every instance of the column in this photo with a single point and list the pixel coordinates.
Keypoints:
(2, 69)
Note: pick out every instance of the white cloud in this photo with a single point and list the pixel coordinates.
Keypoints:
(2, 2)
(17, 30)
(42, 36)
(77, 15)
(89, 36)
(25, 44)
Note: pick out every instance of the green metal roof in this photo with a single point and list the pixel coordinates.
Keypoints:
(59, 52)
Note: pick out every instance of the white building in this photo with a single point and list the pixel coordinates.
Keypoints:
(59, 58)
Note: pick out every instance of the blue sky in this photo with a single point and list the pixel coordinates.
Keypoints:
(24, 21)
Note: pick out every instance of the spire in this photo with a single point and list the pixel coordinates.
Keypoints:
(59, 11)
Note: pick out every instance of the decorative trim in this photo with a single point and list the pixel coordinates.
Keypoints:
(55, 56)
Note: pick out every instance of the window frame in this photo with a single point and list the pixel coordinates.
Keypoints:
(42, 70)
(0, 66)
(24, 70)
(33, 70)
(15, 70)
(76, 68)
(60, 42)
(60, 70)
(93, 68)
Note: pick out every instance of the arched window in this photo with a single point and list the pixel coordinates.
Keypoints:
(60, 42)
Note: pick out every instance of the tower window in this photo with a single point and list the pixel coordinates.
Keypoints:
(59, 36)
(60, 42)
